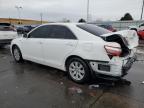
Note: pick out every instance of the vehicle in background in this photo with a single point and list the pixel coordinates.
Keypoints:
(82, 50)
(141, 27)
(7, 33)
(139, 30)
(141, 34)
(108, 27)
(25, 29)
(133, 28)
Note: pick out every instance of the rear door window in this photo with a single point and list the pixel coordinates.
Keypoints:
(61, 32)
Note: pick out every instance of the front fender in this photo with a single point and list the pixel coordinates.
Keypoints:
(16, 42)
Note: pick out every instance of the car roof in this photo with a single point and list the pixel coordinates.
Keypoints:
(65, 24)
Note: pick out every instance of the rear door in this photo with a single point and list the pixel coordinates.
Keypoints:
(60, 44)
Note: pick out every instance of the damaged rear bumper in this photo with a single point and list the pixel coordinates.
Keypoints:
(113, 69)
(128, 65)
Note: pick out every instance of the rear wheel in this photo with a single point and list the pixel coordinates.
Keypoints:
(17, 54)
(78, 70)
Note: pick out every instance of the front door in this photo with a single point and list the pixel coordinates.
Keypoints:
(32, 46)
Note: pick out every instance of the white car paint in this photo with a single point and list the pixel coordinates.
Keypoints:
(54, 52)
(130, 35)
(7, 36)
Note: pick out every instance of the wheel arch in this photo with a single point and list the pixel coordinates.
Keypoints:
(70, 57)
(91, 73)
(74, 56)
(15, 45)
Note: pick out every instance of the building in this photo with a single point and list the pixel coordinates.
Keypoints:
(21, 21)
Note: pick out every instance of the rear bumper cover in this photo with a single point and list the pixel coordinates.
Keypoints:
(112, 70)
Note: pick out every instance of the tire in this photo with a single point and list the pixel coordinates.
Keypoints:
(17, 54)
(78, 70)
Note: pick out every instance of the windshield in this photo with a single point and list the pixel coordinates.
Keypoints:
(93, 29)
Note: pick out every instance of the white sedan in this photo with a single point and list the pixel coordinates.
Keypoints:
(82, 50)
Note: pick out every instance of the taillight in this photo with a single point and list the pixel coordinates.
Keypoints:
(113, 51)
(12, 28)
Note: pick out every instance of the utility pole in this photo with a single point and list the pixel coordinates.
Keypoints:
(87, 10)
(142, 10)
(41, 17)
(9, 20)
(19, 12)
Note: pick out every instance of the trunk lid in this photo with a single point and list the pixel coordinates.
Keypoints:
(129, 35)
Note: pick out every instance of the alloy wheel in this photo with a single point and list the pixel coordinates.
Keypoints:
(76, 70)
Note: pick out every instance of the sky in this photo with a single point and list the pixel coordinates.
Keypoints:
(57, 10)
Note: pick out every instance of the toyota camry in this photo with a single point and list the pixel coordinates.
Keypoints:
(82, 50)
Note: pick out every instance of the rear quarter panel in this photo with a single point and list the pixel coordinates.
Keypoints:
(89, 46)
(91, 50)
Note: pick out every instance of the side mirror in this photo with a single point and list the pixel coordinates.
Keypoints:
(25, 35)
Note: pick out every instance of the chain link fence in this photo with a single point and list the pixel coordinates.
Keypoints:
(122, 25)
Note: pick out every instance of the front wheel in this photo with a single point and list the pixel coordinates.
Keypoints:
(17, 54)
(78, 70)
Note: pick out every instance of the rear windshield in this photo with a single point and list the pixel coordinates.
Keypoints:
(93, 29)
(5, 24)
(6, 27)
